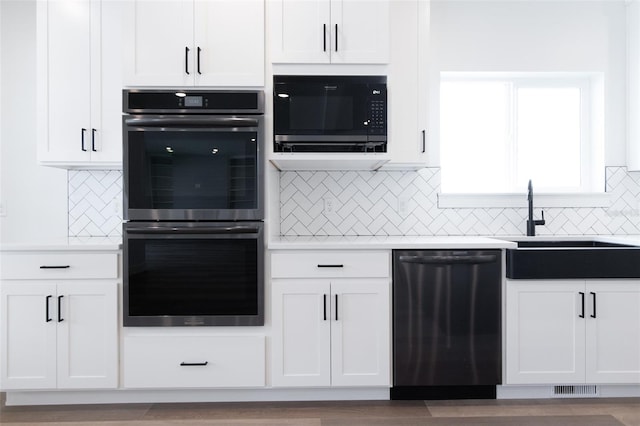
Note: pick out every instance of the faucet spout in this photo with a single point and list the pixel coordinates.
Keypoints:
(531, 223)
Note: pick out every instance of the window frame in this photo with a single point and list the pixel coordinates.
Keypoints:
(591, 144)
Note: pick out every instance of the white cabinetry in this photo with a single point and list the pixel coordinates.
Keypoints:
(194, 43)
(193, 361)
(573, 331)
(59, 321)
(329, 31)
(331, 319)
(79, 83)
(633, 76)
(408, 82)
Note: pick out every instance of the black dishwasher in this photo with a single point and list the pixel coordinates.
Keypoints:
(446, 324)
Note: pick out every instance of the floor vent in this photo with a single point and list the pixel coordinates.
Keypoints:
(571, 391)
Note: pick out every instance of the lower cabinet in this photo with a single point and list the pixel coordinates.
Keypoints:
(331, 319)
(193, 361)
(573, 331)
(331, 333)
(60, 335)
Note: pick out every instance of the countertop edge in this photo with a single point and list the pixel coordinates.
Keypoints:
(390, 243)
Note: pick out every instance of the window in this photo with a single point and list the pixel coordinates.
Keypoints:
(499, 131)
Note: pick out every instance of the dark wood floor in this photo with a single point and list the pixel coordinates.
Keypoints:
(555, 412)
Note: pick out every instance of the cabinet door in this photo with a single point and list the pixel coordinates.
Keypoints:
(27, 335)
(105, 136)
(613, 332)
(158, 43)
(545, 333)
(359, 31)
(229, 42)
(64, 70)
(87, 322)
(360, 345)
(407, 92)
(301, 333)
(300, 31)
(633, 84)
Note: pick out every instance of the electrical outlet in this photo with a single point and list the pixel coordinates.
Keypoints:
(117, 206)
(329, 205)
(403, 205)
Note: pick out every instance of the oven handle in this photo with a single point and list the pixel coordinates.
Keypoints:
(197, 121)
(236, 229)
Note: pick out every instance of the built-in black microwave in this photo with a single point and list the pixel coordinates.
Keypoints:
(330, 113)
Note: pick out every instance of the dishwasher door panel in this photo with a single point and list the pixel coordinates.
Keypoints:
(447, 318)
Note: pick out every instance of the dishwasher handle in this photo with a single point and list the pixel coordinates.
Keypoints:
(456, 259)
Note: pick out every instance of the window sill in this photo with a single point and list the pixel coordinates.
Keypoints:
(546, 200)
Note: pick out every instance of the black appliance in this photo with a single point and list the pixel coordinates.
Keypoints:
(330, 113)
(446, 324)
(193, 155)
(193, 205)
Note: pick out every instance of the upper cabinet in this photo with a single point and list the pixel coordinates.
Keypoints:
(79, 86)
(329, 31)
(194, 43)
(408, 82)
(633, 76)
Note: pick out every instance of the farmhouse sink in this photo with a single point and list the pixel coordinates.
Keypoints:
(566, 258)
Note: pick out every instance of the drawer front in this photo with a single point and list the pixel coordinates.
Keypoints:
(330, 264)
(16, 266)
(194, 361)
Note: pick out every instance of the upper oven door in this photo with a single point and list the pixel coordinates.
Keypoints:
(198, 167)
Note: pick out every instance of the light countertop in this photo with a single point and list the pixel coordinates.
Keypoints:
(388, 242)
(426, 242)
(333, 242)
(70, 244)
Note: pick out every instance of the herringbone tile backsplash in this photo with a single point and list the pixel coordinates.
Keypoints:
(95, 203)
(369, 203)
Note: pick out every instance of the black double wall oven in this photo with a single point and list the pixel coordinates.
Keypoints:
(193, 204)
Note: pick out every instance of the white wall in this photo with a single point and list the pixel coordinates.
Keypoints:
(534, 35)
(34, 198)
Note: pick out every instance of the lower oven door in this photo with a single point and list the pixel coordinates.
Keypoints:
(193, 274)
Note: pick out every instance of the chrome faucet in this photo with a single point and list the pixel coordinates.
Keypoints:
(531, 223)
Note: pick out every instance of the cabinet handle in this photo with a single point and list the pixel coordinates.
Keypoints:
(325, 307)
(424, 141)
(60, 319)
(336, 307)
(336, 36)
(593, 296)
(582, 299)
(324, 37)
(198, 63)
(46, 304)
(186, 60)
(193, 364)
(93, 140)
(82, 132)
(55, 266)
(330, 266)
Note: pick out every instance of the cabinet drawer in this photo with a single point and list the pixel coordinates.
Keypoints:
(330, 264)
(58, 265)
(194, 361)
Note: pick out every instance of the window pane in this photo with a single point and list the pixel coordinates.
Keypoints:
(548, 137)
(474, 126)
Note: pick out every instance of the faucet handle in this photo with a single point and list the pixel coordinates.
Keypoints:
(540, 221)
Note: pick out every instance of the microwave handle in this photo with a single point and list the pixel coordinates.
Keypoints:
(200, 121)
